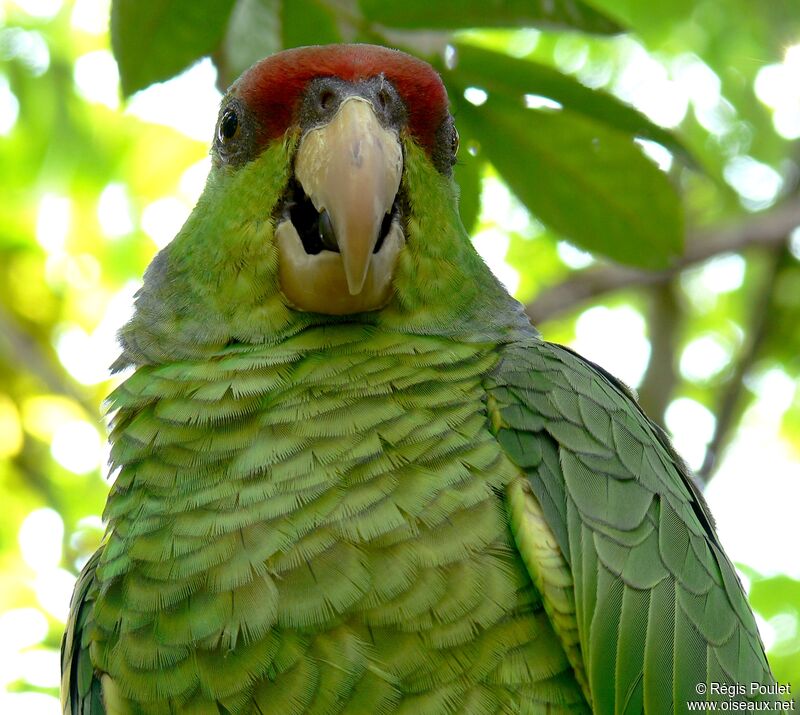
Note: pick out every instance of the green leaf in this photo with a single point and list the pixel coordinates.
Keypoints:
(459, 14)
(775, 595)
(779, 597)
(254, 32)
(586, 181)
(648, 17)
(307, 22)
(514, 78)
(154, 40)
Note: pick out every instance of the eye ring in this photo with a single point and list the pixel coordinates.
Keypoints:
(228, 125)
(455, 141)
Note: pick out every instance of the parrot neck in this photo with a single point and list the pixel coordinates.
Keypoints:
(216, 284)
(442, 285)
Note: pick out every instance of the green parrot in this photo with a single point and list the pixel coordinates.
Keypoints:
(350, 476)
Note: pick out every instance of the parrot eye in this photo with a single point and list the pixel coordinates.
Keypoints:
(455, 141)
(234, 141)
(228, 125)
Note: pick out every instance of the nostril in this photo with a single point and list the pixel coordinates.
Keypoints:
(383, 98)
(326, 98)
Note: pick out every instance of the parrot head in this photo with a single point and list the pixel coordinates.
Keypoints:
(330, 197)
(340, 223)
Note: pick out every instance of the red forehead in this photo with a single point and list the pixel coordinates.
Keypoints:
(273, 88)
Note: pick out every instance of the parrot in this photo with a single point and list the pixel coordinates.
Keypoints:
(349, 475)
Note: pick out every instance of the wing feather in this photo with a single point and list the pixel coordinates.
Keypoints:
(81, 692)
(658, 607)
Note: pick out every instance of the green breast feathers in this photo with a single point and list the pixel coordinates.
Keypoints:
(312, 525)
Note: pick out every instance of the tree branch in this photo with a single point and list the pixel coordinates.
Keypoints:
(767, 230)
(727, 411)
(28, 355)
(664, 323)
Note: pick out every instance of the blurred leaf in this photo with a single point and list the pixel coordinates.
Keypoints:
(514, 78)
(156, 39)
(460, 14)
(648, 16)
(774, 595)
(584, 180)
(791, 422)
(536, 260)
(307, 22)
(778, 597)
(782, 340)
(254, 31)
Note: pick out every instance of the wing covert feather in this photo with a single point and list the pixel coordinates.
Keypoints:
(658, 606)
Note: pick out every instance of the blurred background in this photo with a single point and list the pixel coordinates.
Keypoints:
(629, 170)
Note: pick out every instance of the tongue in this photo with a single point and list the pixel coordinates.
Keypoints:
(326, 232)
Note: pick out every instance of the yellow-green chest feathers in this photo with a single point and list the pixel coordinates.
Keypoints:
(316, 527)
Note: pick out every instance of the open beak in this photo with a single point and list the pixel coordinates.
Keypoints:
(350, 169)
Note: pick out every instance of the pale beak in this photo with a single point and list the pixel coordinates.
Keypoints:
(351, 169)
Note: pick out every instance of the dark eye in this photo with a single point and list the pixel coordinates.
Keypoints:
(228, 125)
(455, 141)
